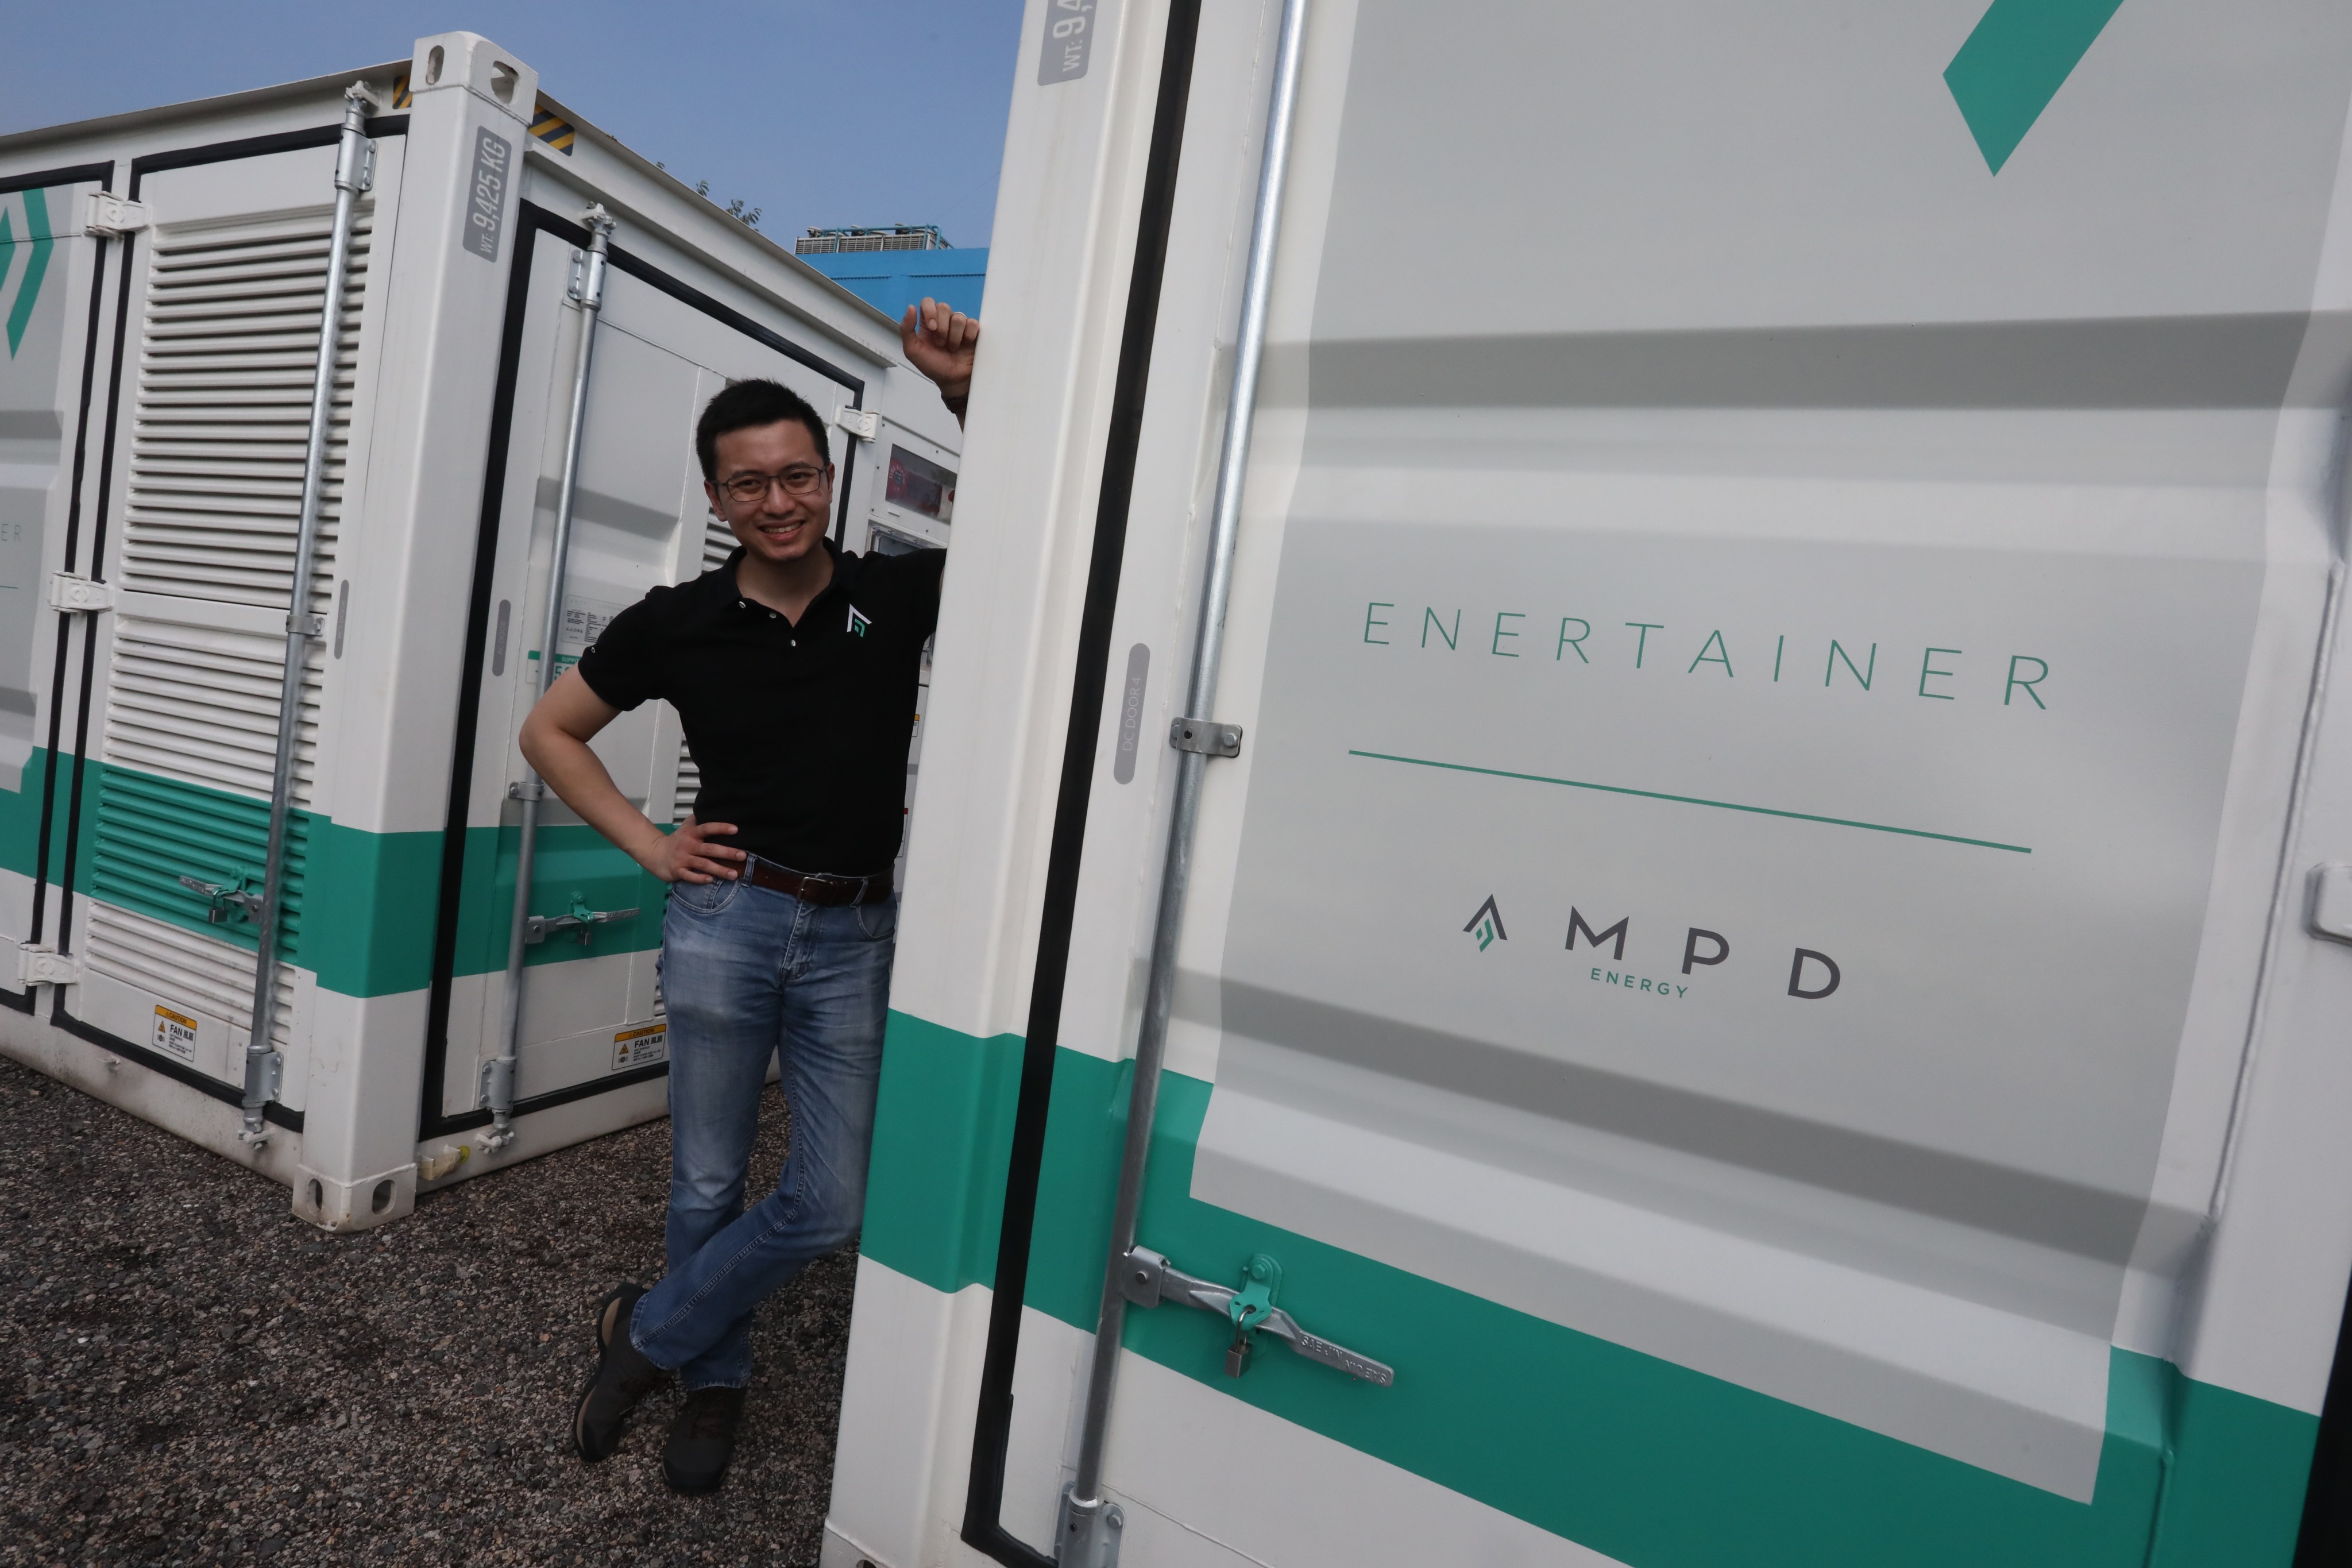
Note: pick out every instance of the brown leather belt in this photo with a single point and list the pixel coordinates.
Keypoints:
(817, 887)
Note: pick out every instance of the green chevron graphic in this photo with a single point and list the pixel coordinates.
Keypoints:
(2020, 54)
(39, 243)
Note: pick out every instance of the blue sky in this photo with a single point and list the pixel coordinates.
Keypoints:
(816, 112)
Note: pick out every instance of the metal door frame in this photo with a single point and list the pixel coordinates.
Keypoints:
(983, 1529)
(375, 126)
(42, 179)
(531, 221)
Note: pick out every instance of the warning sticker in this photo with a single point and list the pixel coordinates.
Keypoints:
(584, 620)
(175, 1034)
(641, 1047)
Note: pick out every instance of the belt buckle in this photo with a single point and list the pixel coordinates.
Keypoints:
(826, 879)
(807, 882)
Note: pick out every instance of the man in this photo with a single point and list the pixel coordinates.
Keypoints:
(794, 668)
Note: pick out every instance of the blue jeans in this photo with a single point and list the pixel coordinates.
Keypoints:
(746, 973)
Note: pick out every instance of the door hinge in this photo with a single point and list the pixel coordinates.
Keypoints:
(40, 964)
(1088, 1540)
(587, 285)
(358, 174)
(1205, 736)
(497, 1085)
(865, 424)
(78, 595)
(110, 217)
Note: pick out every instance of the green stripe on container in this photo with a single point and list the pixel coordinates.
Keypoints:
(1652, 1463)
(361, 907)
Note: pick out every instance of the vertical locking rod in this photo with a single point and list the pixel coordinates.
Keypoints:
(354, 166)
(1085, 1537)
(498, 1074)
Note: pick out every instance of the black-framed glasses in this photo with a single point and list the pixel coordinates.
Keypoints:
(747, 490)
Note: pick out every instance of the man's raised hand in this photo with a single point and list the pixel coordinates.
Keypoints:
(940, 342)
(689, 855)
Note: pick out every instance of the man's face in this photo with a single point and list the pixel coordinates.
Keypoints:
(786, 519)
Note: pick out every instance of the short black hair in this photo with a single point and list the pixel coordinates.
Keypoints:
(746, 405)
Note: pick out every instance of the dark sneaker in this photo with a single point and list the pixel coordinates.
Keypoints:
(702, 1439)
(622, 1376)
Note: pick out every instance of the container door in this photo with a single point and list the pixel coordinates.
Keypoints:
(50, 292)
(1778, 613)
(909, 485)
(590, 1017)
(208, 434)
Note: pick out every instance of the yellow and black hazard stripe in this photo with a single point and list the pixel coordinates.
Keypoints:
(552, 129)
(546, 124)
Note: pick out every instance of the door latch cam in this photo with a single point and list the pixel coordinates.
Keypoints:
(223, 904)
(580, 919)
(1146, 1279)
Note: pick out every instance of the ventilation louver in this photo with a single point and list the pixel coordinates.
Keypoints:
(221, 428)
(224, 381)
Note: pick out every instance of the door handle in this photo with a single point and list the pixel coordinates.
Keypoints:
(225, 904)
(1147, 1279)
(579, 918)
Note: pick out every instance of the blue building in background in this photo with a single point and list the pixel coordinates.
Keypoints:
(893, 268)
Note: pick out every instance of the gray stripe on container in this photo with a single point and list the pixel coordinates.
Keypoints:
(30, 425)
(2050, 1211)
(2172, 361)
(610, 510)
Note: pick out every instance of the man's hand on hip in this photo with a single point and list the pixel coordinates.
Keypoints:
(689, 855)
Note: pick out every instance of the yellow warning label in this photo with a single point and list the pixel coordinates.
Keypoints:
(175, 1035)
(641, 1047)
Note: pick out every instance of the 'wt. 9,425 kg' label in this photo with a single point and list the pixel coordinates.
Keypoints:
(1069, 41)
(486, 195)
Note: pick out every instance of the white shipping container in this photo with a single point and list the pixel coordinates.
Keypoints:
(163, 277)
(1775, 943)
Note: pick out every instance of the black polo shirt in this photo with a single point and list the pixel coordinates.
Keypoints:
(801, 732)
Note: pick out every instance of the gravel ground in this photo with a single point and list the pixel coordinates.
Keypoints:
(197, 1377)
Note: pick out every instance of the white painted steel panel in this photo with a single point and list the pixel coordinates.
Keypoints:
(1986, 508)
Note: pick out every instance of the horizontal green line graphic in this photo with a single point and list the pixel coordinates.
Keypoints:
(1693, 800)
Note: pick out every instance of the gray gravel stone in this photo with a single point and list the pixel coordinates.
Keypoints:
(195, 1376)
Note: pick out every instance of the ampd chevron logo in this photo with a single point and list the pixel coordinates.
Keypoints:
(26, 241)
(1813, 975)
(1488, 925)
(858, 622)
